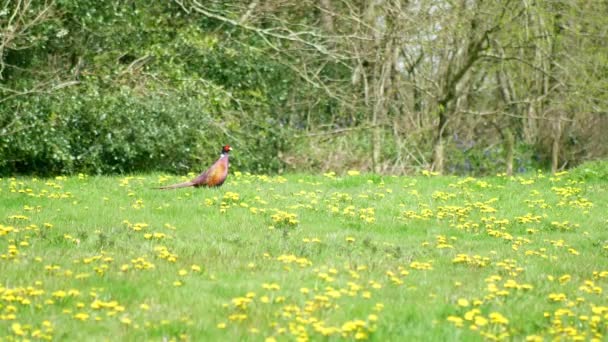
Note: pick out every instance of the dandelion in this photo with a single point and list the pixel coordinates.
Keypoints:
(17, 329)
(237, 317)
(498, 318)
(331, 175)
(361, 335)
(564, 279)
(271, 286)
(457, 321)
(284, 219)
(81, 316)
(421, 265)
(480, 321)
(59, 294)
(463, 302)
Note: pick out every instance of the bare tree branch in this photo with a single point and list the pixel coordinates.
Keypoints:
(17, 26)
(281, 33)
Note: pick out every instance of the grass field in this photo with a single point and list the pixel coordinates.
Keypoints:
(302, 257)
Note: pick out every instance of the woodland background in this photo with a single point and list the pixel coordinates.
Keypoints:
(390, 86)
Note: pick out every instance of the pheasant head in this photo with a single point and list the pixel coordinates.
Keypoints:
(226, 149)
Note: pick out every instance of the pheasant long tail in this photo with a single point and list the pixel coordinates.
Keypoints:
(178, 185)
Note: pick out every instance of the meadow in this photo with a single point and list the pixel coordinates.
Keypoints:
(305, 257)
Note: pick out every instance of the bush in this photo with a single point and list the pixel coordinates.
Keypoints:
(480, 159)
(593, 170)
(79, 130)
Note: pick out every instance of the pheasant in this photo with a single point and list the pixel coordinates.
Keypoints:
(214, 176)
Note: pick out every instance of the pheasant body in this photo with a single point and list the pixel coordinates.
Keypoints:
(214, 176)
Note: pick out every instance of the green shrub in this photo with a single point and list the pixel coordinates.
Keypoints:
(593, 170)
(481, 159)
(79, 130)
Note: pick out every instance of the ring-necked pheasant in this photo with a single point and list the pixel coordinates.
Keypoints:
(214, 176)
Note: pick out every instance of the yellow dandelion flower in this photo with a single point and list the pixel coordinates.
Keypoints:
(457, 321)
(17, 329)
(81, 316)
(361, 335)
(271, 287)
(463, 302)
(498, 318)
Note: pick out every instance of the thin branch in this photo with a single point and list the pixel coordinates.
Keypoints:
(338, 131)
(265, 33)
(500, 112)
(40, 88)
(17, 26)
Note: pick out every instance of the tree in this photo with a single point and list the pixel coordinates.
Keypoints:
(23, 24)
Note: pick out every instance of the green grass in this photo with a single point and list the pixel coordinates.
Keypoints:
(304, 256)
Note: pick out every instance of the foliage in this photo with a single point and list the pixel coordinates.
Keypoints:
(111, 87)
(156, 96)
(480, 159)
(119, 133)
(591, 171)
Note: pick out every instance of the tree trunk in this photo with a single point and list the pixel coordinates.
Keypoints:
(383, 70)
(509, 151)
(375, 144)
(438, 156)
(327, 19)
(438, 149)
(557, 134)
